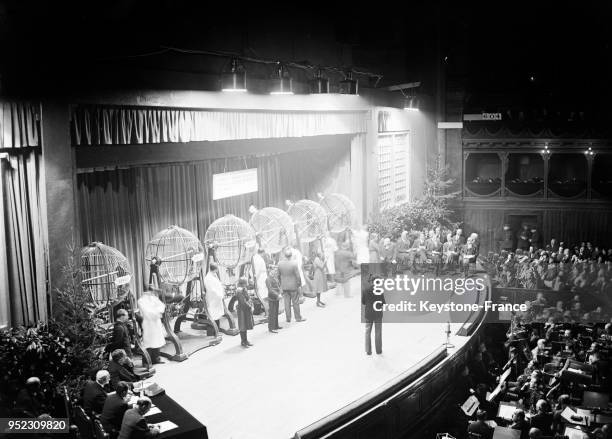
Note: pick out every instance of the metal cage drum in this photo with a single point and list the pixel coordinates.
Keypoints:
(105, 273)
(176, 254)
(274, 229)
(233, 240)
(309, 218)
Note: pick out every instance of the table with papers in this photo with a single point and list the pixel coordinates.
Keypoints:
(173, 420)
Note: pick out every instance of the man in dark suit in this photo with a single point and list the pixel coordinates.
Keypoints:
(479, 426)
(94, 393)
(121, 368)
(121, 334)
(274, 295)
(290, 283)
(114, 408)
(543, 419)
(134, 425)
(28, 403)
(373, 315)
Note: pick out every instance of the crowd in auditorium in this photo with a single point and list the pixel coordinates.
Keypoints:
(541, 380)
(526, 263)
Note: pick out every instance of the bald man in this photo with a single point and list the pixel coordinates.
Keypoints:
(94, 393)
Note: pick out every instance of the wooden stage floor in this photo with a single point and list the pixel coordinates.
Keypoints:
(289, 380)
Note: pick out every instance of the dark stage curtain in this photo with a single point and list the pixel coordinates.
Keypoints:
(23, 251)
(126, 208)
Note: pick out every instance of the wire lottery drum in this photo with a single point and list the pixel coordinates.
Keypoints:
(309, 218)
(105, 273)
(175, 255)
(340, 212)
(233, 240)
(274, 229)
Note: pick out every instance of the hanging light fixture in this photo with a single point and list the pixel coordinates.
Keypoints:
(348, 85)
(411, 103)
(282, 82)
(319, 84)
(234, 79)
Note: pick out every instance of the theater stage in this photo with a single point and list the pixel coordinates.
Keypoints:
(289, 380)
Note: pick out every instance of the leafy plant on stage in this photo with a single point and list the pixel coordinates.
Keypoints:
(42, 351)
(63, 352)
(432, 209)
(74, 316)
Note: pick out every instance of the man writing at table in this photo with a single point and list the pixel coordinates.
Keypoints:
(134, 424)
(115, 406)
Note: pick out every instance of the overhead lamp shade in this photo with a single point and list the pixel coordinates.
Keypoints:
(348, 85)
(319, 84)
(282, 83)
(411, 104)
(234, 80)
(282, 86)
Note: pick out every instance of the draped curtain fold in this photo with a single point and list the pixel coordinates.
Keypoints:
(98, 125)
(23, 242)
(126, 208)
(19, 125)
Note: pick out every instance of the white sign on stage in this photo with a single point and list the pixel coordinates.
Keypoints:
(230, 184)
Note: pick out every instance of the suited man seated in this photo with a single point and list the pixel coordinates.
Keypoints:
(479, 426)
(134, 424)
(94, 393)
(121, 368)
(114, 408)
(543, 419)
(29, 400)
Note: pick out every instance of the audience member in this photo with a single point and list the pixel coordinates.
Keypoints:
(121, 368)
(134, 424)
(121, 334)
(114, 408)
(95, 392)
(29, 403)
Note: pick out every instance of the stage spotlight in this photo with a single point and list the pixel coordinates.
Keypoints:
(234, 80)
(319, 84)
(282, 84)
(348, 85)
(411, 104)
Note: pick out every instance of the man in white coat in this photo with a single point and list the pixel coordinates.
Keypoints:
(214, 293)
(330, 247)
(151, 310)
(260, 270)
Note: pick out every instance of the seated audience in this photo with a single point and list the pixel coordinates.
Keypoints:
(134, 424)
(543, 419)
(121, 368)
(479, 426)
(29, 402)
(519, 423)
(114, 408)
(95, 392)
